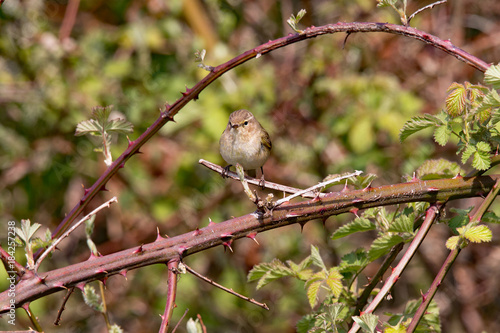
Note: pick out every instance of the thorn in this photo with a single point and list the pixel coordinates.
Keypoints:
(122, 166)
(424, 296)
(252, 236)
(354, 211)
(323, 220)
(26, 306)
(92, 256)
(228, 245)
(167, 106)
(139, 249)
(41, 279)
(345, 189)
(226, 235)
(59, 285)
(302, 224)
(316, 197)
(210, 222)
(86, 191)
(104, 280)
(80, 285)
(158, 236)
(123, 273)
(101, 271)
(292, 215)
(414, 179)
(368, 188)
(181, 250)
(103, 188)
(130, 142)
(458, 176)
(166, 115)
(197, 232)
(433, 189)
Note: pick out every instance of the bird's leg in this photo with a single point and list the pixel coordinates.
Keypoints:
(226, 171)
(262, 182)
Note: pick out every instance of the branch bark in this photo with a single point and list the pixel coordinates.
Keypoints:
(32, 286)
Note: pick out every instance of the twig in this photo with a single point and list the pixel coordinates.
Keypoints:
(320, 185)
(180, 320)
(171, 291)
(69, 19)
(70, 230)
(429, 6)
(231, 291)
(361, 302)
(254, 181)
(438, 280)
(201, 323)
(33, 319)
(61, 309)
(432, 214)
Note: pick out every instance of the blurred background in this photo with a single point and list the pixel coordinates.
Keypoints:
(330, 106)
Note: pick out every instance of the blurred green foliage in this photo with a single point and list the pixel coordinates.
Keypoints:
(329, 108)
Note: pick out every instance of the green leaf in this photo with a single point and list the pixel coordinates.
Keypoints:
(383, 244)
(120, 126)
(316, 258)
(442, 135)
(294, 20)
(478, 234)
(354, 261)
(306, 324)
(492, 76)
(490, 217)
(438, 169)
(359, 224)
(467, 153)
(481, 159)
(27, 230)
(334, 281)
(456, 100)
(452, 242)
(461, 219)
(417, 124)
(312, 293)
(386, 3)
(368, 322)
(268, 272)
(402, 224)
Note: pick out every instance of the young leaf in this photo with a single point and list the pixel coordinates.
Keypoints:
(438, 169)
(456, 100)
(92, 299)
(442, 135)
(481, 159)
(368, 322)
(316, 258)
(383, 244)
(490, 217)
(312, 293)
(268, 272)
(359, 224)
(334, 281)
(354, 261)
(478, 234)
(386, 3)
(417, 124)
(492, 76)
(402, 224)
(452, 242)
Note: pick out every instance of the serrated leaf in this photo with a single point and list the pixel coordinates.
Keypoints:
(382, 245)
(467, 153)
(386, 3)
(417, 124)
(452, 242)
(358, 225)
(442, 135)
(478, 234)
(354, 261)
(119, 125)
(312, 293)
(268, 272)
(334, 281)
(306, 324)
(368, 322)
(481, 160)
(456, 100)
(492, 76)
(402, 224)
(438, 169)
(490, 217)
(316, 258)
(88, 127)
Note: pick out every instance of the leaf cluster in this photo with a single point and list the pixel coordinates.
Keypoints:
(471, 114)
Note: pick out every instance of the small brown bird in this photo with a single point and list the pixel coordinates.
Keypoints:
(246, 142)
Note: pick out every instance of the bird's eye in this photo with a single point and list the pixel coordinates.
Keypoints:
(245, 123)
